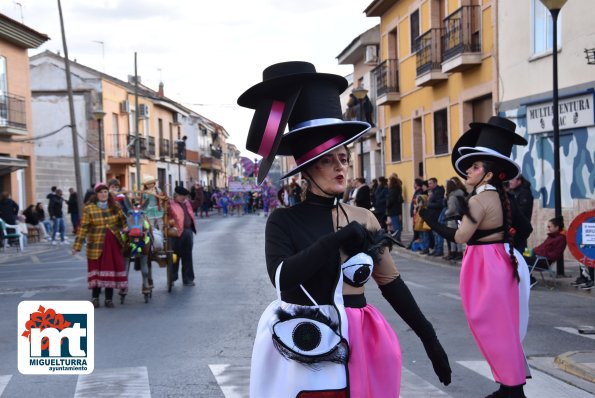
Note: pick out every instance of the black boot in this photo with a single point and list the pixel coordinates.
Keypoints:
(516, 392)
(501, 393)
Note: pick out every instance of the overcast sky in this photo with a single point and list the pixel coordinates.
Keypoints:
(205, 52)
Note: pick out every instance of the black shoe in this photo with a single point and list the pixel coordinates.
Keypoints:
(95, 302)
(437, 254)
(581, 280)
(425, 251)
(189, 283)
(109, 304)
(587, 286)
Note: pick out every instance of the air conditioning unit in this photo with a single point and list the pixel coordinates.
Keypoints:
(143, 110)
(371, 56)
(125, 107)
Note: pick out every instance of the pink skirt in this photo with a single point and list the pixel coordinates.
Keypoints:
(109, 269)
(375, 354)
(490, 296)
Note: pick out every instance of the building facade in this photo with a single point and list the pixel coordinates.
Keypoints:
(525, 95)
(436, 74)
(17, 161)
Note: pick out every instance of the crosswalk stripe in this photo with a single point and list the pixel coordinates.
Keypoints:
(575, 332)
(234, 381)
(120, 382)
(540, 385)
(4, 382)
(413, 386)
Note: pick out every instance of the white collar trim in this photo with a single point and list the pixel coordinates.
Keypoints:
(485, 187)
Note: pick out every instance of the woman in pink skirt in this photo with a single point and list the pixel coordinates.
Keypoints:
(315, 254)
(489, 274)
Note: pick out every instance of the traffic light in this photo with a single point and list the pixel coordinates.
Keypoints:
(181, 152)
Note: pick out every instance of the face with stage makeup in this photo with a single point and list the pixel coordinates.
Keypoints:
(328, 173)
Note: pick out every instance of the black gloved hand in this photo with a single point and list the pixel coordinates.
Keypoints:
(439, 360)
(353, 238)
(400, 298)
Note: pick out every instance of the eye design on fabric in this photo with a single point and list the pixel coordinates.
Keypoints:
(309, 337)
(357, 269)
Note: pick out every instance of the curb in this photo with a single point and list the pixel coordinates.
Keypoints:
(568, 364)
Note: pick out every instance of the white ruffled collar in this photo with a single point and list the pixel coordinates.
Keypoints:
(485, 187)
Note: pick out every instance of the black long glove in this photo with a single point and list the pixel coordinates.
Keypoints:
(302, 265)
(441, 229)
(400, 298)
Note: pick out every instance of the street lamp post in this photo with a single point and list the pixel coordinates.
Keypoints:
(554, 6)
(98, 115)
(360, 94)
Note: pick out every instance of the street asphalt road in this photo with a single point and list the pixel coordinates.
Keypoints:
(197, 341)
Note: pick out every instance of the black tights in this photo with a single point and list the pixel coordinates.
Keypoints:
(109, 292)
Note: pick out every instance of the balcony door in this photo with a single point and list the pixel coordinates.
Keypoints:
(3, 93)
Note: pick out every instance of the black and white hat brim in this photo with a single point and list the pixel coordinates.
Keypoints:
(473, 154)
(339, 133)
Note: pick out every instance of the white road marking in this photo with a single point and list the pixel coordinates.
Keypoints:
(540, 385)
(575, 332)
(451, 295)
(4, 382)
(409, 283)
(234, 381)
(413, 386)
(35, 259)
(114, 382)
(29, 294)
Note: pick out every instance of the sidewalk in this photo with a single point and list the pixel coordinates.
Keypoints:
(10, 253)
(577, 363)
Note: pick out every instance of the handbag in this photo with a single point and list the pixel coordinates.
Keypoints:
(307, 334)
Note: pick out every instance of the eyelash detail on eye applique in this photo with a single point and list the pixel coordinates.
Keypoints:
(310, 337)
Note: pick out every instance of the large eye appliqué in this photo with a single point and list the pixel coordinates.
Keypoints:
(306, 336)
(357, 269)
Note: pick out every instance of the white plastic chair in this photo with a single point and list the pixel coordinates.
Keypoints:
(545, 266)
(13, 235)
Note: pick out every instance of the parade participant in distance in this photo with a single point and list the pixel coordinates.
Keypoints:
(101, 226)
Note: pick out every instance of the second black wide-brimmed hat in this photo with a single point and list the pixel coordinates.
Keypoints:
(492, 141)
(273, 100)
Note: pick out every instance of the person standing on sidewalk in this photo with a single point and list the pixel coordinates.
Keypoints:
(180, 210)
(73, 209)
(435, 207)
(490, 274)
(101, 226)
(394, 205)
(55, 209)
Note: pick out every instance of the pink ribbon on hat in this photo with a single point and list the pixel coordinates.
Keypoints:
(270, 130)
(320, 149)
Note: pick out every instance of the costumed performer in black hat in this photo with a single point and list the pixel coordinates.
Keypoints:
(180, 210)
(490, 270)
(320, 335)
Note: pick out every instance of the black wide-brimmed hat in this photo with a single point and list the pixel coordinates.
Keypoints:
(180, 190)
(315, 124)
(273, 100)
(488, 141)
(311, 107)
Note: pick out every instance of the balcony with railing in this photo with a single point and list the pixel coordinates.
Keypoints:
(164, 148)
(13, 116)
(147, 147)
(116, 146)
(428, 58)
(461, 39)
(387, 82)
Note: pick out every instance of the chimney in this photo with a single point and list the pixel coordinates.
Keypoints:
(160, 92)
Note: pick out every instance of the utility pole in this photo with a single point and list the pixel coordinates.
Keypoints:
(137, 138)
(75, 143)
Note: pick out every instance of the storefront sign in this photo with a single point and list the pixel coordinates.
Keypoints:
(573, 112)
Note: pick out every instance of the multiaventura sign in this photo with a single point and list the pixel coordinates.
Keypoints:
(573, 112)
